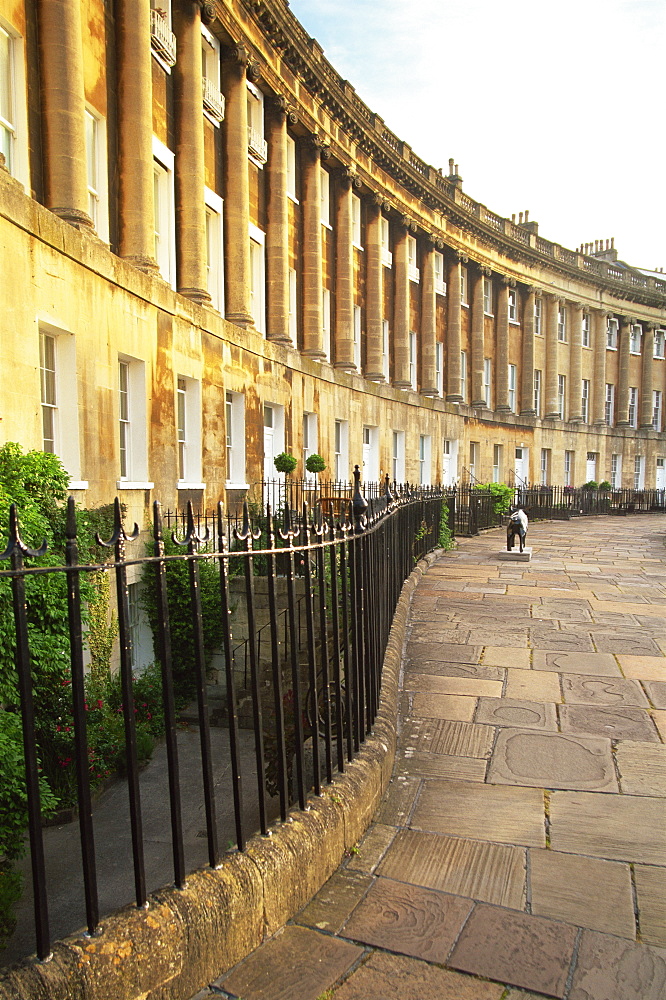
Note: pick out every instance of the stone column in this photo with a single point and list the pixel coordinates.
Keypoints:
(401, 309)
(527, 374)
(190, 173)
(428, 322)
(576, 364)
(502, 373)
(599, 320)
(237, 202)
(374, 292)
(551, 411)
(277, 224)
(478, 346)
(344, 275)
(626, 322)
(454, 328)
(647, 384)
(136, 207)
(313, 265)
(63, 105)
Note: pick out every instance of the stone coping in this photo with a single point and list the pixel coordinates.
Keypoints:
(186, 938)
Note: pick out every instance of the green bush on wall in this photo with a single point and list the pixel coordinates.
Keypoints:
(501, 493)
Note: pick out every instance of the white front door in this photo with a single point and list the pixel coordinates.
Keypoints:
(521, 466)
(591, 467)
(660, 482)
(270, 472)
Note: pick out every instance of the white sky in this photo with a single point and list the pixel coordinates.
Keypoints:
(555, 108)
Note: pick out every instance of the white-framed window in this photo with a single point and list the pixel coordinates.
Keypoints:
(538, 316)
(659, 341)
(398, 457)
(609, 405)
(385, 237)
(537, 391)
(357, 227)
(612, 327)
(616, 472)
(487, 381)
(635, 339)
(639, 472)
(213, 99)
(214, 248)
(585, 330)
(235, 434)
(562, 323)
(273, 446)
(585, 400)
(165, 225)
(341, 450)
(370, 454)
(424, 460)
(568, 468)
(412, 361)
(188, 432)
(257, 147)
(13, 110)
(633, 406)
(325, 198)
(439, 367)
(512, 388)
(98, 200)
(292, 189)
(656, 409)
(561, 394)
(463, 375)
(258, 277)
(133, 424)
(59, 398)
(463, 286)
(473, 459)
(545, 466)
(326, 322)
(310, 442)
(488, 296)
(449, 462)
(293, 306)
(386, 356)
(513, 305)
(440, 282)
(162, 38)
(497, 463)
(412, 260)
(358, 323)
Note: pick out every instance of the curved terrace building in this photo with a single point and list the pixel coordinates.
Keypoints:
(213, 251)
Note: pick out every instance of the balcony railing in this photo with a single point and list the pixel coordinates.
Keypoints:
(162, 38)
(213, 100)
(256, 144)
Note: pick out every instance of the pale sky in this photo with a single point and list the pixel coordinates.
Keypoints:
(557, 108)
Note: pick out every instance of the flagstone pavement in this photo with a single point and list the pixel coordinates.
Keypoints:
(521, 849)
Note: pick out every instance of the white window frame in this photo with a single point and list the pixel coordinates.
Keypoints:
(257, 147)
(538, 316)
(214, 248)
(544, 466)
(358, 326)
(639, 472)
(487, 381)
(188, 405)
(463, 375)
(473, 459)
(609, 404)
(585, 400)
(585, 329)
(659, 349)
(568, 468)
(398, 457)
(440, 283)
(213, 98)
(277, 437)
(96, 172)
(293, 305)
(561, 395)
(325, 198)
(612, 327)
(258, 277)
(497, 463)
(488, 296)
(385, 238)
(635, 333)
(537, 391)
(386, 350)
(235, 440)
(463, 287)
(326, 323)
(357, 226)
(341, 450)
(165, 216)
(633, 406)
(439, 367)
(413, 368)
(291, 169)
(15, 124)
(412, 260)
(135, 422)
(657, 408)
(512, 382)
(425, 461)
(562, 324)
(616, 472)
(61, 398)
(513, 306)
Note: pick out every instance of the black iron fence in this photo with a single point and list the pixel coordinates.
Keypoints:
(329, 578)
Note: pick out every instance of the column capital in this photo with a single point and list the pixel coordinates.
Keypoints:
(208, 11)
(239, 54)
(320, 145)
(381, 202)
(280, 103)
(485, 271)
(349, 177)
(649, 325)
(508, 281)
(577, 305)
(409, 224)
(627, 320)
(435, 241)
(461, 257)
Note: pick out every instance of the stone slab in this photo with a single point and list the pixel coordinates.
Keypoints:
(395, 977)
(651, 899)
(642, 768)
(455, 652)
(429, 765)
(659, 719)
(581, 689)
(644, 668)
(616, 827)
(511, 637)
(441, 736)
(494, 873)
(409, 919)
(474, 686)
(555, 640)
(552, 760)
(639, 645)
(656, 693)
(515, 555)
(371, 848)
(398, 801)
(296, 964)
(610, 969)
(533, 685)
(614, 723)
(496, 813)
(506, 656)
(443, 706)
(516, 948)
(587, 892)
(515, 713)
(330, 908)
(447, 668)
(600, 664)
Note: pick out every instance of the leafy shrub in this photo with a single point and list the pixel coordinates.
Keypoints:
(284, 462)
(315, 463)
(445, 540)
(591, 484)
(605, 485)
(501, 493)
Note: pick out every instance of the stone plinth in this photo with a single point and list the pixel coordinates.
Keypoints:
(515, 555)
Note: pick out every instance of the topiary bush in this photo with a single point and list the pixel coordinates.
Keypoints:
(284, 462)
(315, 463)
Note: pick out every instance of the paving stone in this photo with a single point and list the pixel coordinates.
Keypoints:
(409, 919)
(651, 898)
(297, 964)
(640, 645)
(552, 760)
(570, 611)
(616, 827)
(659, 719)
(455, 652)
(611, 969)
(522, 995)
(645, 668)
(581, 689)
(495, 813)
(514, 638)
(515, 713)
(600, 664)
(474, 686)
(588, 892)
(441, 736)
(394, 977)
(642, 768)
(516, 948)
(429, 765)
(557, 640)
(656, 693)
(507, 656)
(533, 685)
(330, 908)
(398, 801)
(493, 873)
(371, 848)
(425, 632)
(444, 668)
(443, 706)
(614, 723)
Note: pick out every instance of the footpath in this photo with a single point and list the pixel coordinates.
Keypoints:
(520, 852)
